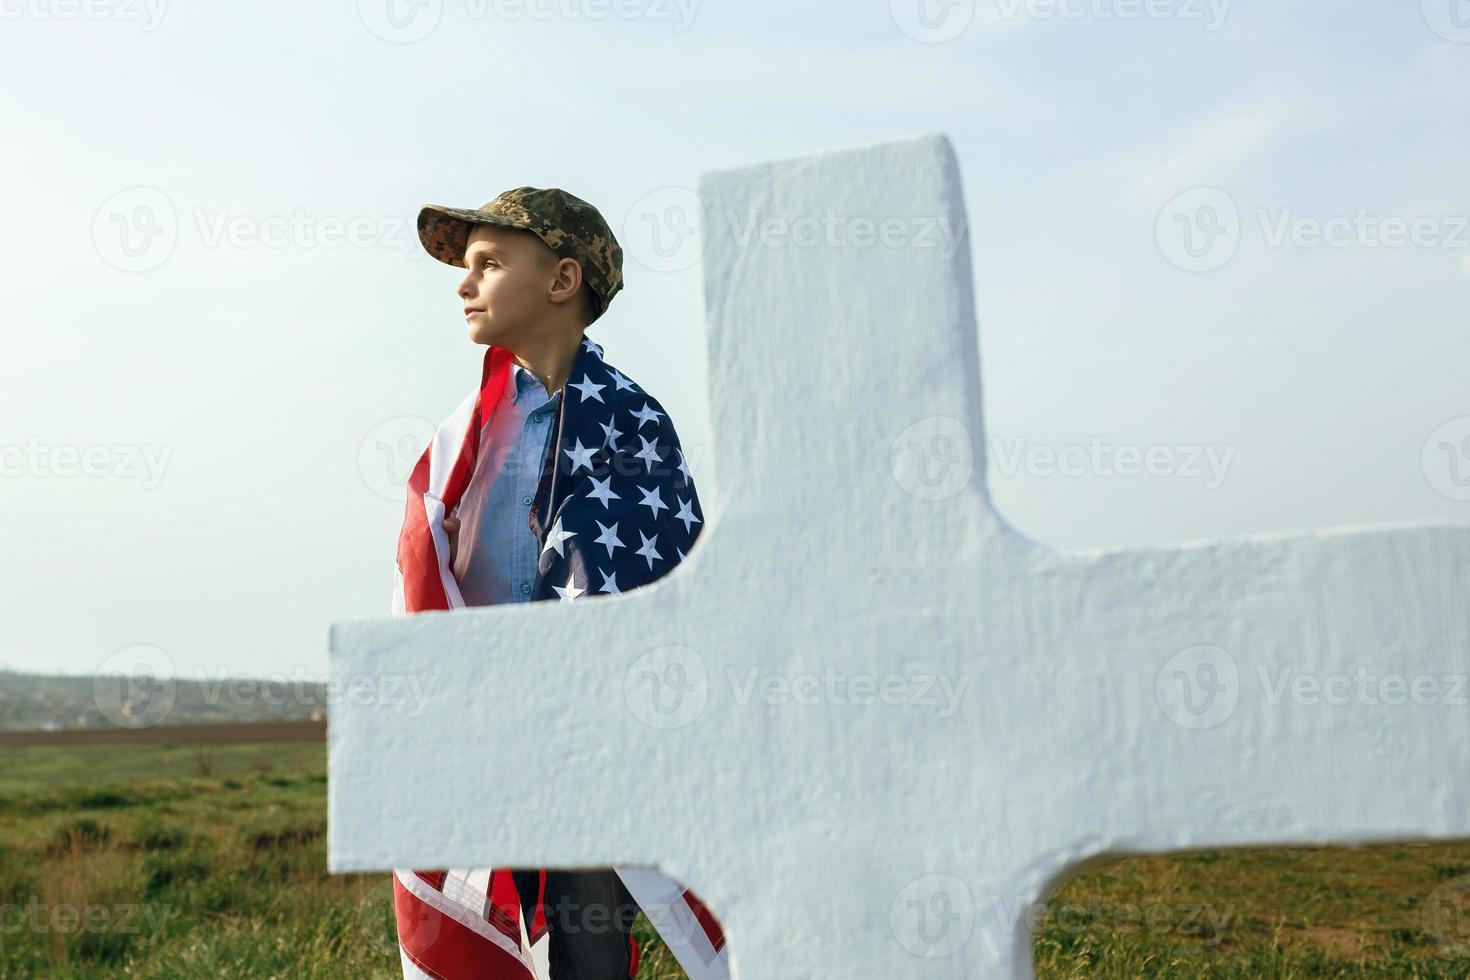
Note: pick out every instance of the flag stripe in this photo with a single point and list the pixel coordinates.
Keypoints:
(411, 969)
(701, 954)
(707, 921)
(447, 940)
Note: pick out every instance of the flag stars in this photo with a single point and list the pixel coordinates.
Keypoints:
(686, 514)
(601, 490)
(660, 493)
(570, 590)
(649, 453)
(652, 499)
(647, 551)
(609, 537)
(647, 414)
(610, 434)
(556, 537)
(588, 389)
(581, 456)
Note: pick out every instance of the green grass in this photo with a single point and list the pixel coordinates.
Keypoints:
(1382, 911)
(211, 862)
(167, 862)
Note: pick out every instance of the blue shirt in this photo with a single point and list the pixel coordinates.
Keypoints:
(497, 554)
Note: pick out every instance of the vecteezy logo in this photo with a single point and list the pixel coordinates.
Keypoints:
(933, 458)
(135, 687)
(386, 455)
(135, 230)
(932, 21)
(1445, 916)
(1450, 19)
(933, 916)
(667, 687)
(1199, 230)
(665, 229)
(1446, 459)
(400, 21)
(1198, 687)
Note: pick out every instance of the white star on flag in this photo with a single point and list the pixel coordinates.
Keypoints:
(581, 456)
(610, 583)
(610, 434)
(601, 490)
(647, 550)
(570, 591)
(588, 389)
(652, 500)
(649, 454)
(556, 536)
(685, 514)
(647, 414)
(609, 537)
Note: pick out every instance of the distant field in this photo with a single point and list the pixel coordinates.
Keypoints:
(163, 861)
(42, 701)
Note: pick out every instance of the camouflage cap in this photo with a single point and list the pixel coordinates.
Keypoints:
(570, 227)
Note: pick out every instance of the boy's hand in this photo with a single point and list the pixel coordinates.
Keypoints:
(451, 528)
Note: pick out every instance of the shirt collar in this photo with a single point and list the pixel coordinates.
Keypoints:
(521, 379)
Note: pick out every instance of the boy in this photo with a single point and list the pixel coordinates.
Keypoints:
(559, 478)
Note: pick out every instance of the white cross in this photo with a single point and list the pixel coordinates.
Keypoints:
(1027, 709)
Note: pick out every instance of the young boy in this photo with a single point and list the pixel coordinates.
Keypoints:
(560, 478)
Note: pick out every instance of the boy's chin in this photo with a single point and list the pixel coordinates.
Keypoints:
(480, 333)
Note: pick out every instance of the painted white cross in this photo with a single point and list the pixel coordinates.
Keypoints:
(867, 721)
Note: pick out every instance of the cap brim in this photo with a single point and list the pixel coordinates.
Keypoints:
(444, 231)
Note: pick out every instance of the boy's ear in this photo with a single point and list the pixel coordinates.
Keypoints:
(564, 270)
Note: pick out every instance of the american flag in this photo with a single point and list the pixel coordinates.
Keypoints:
(615, 509)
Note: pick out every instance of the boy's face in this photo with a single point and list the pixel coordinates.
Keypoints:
(509, 275)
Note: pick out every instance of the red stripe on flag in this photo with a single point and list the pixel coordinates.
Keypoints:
(537, 927)
(506, 902)
(707, 921)
(447, 949)
(418, 557)
(418, 560)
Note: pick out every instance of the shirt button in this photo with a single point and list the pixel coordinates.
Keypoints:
(526, 500)
(525, 588)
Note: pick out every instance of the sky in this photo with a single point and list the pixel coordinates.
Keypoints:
(1227, 238)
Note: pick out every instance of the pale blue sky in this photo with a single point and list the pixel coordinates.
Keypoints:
(254, 373)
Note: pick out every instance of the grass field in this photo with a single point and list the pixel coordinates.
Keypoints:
(1383, 911)
(159, 861)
